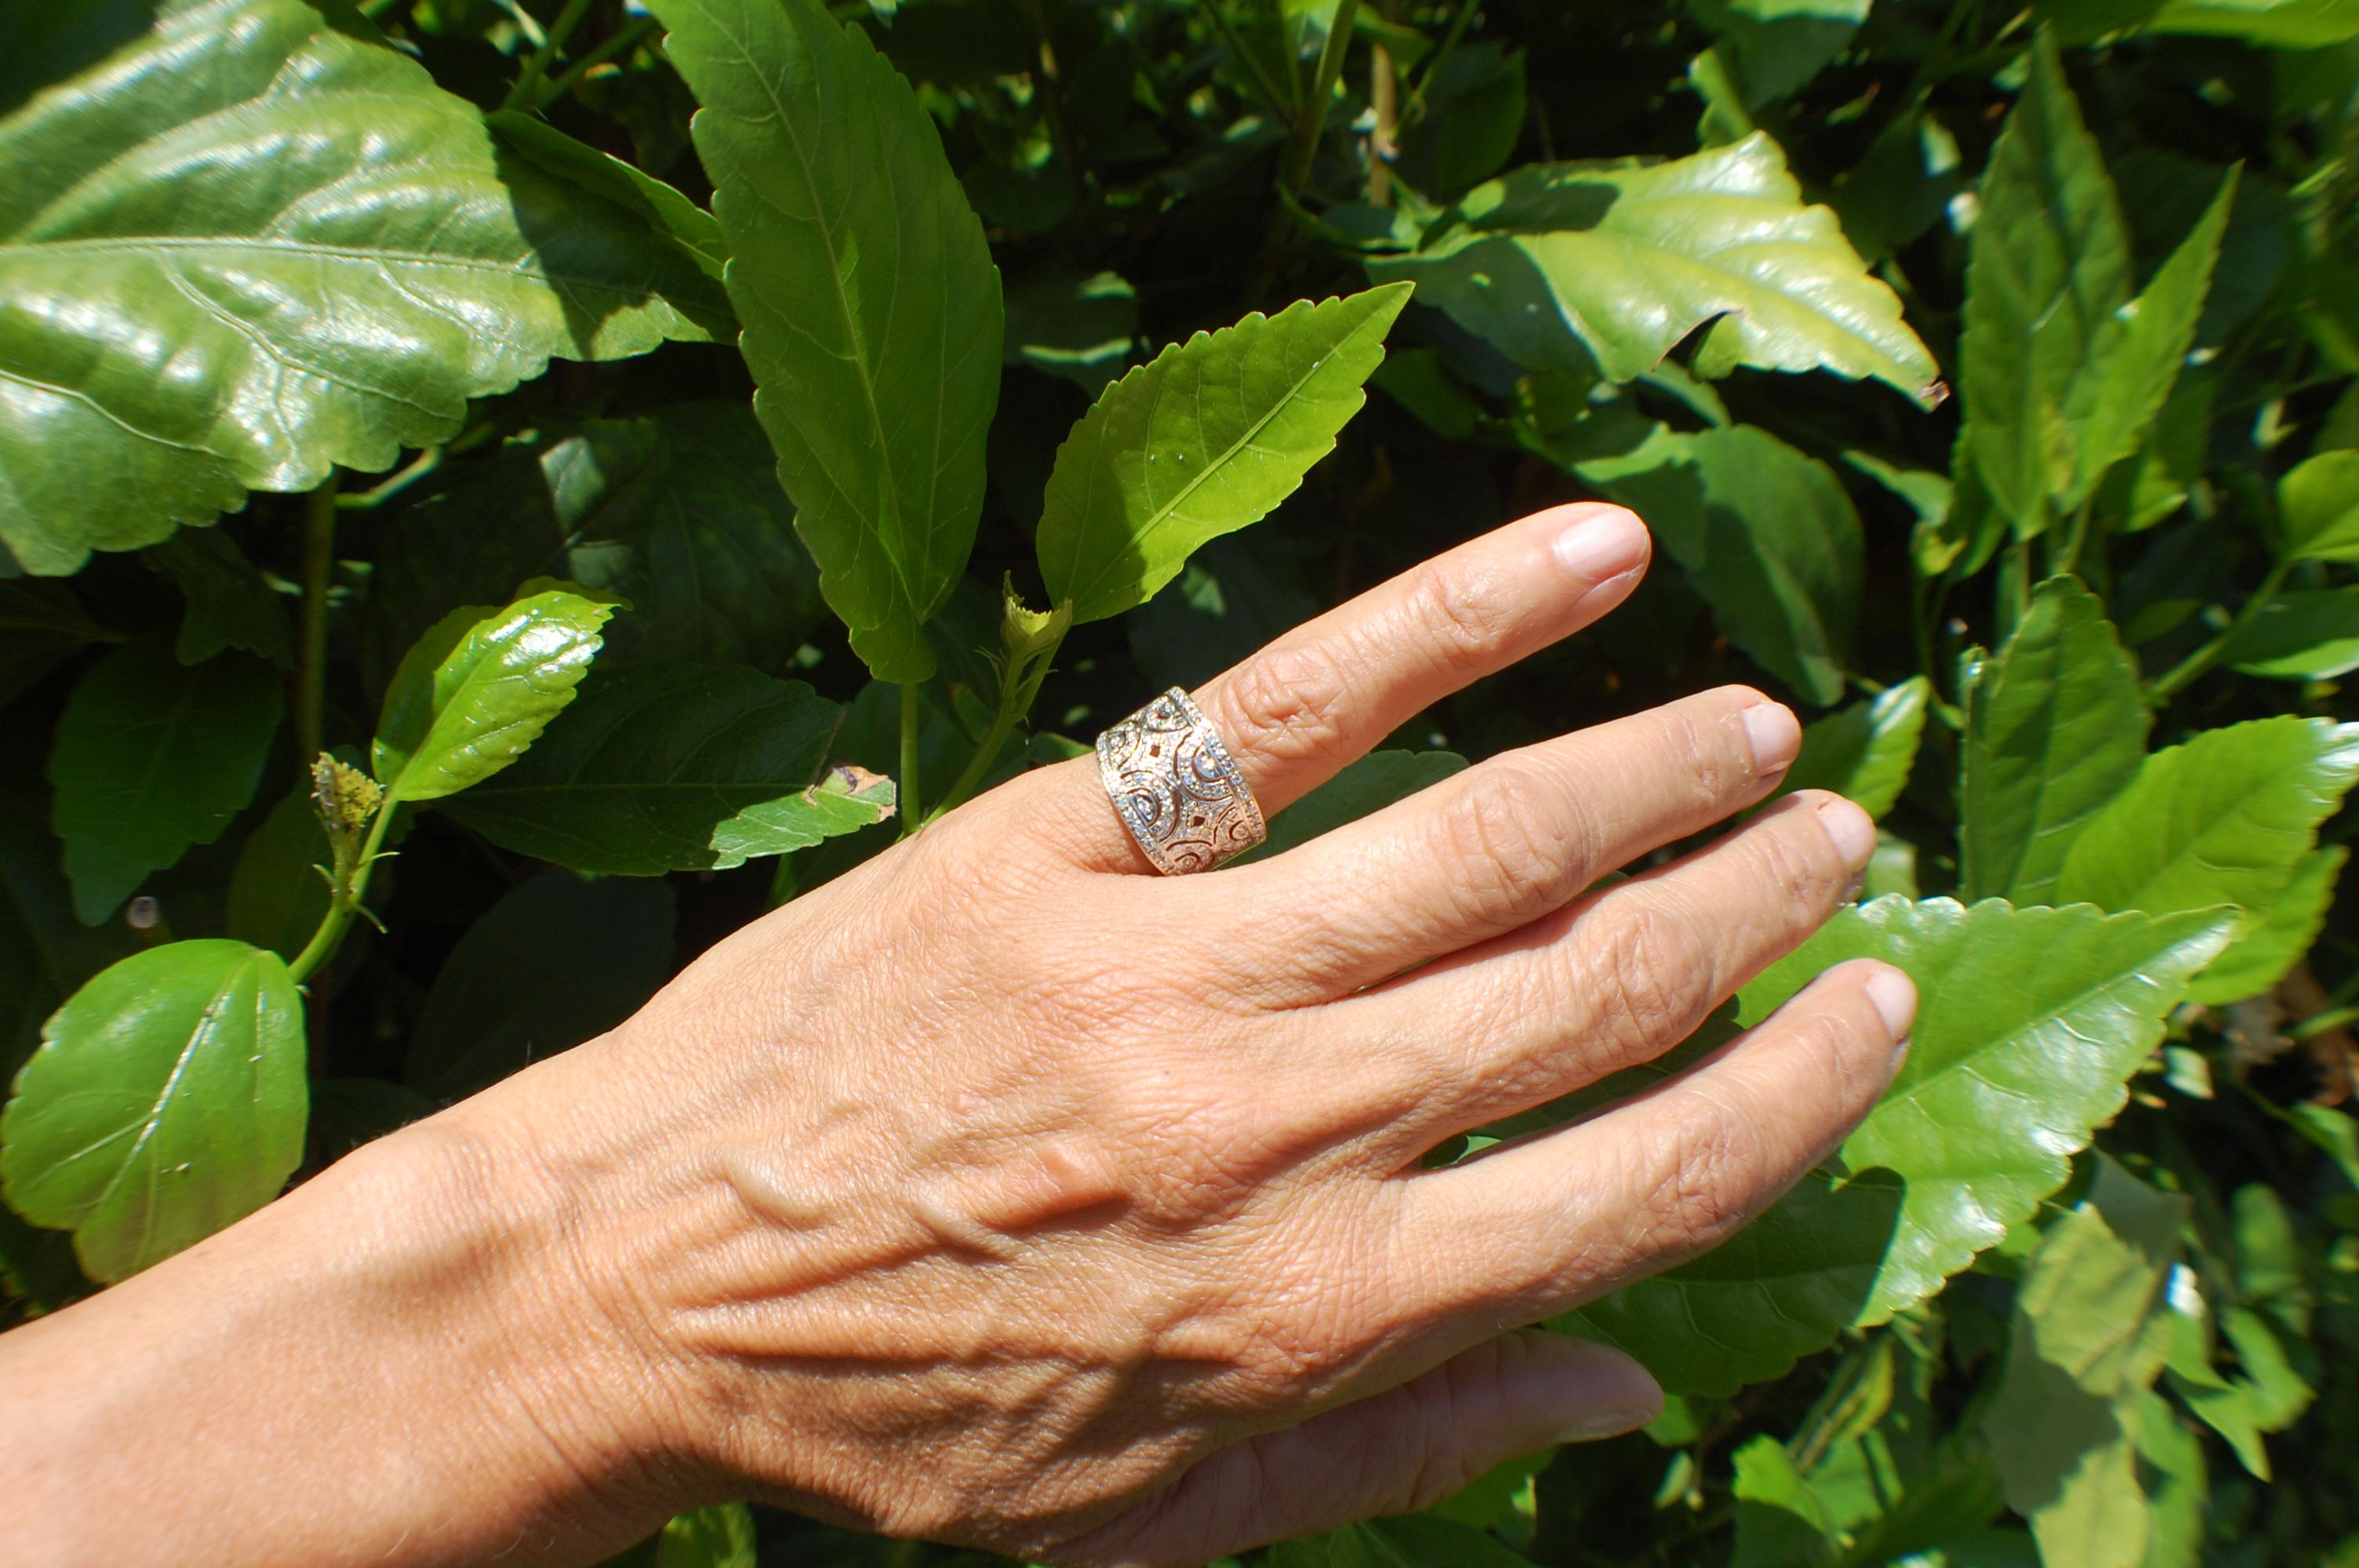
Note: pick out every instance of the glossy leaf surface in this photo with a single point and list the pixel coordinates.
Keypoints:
(2030, 1022)
(478, 688)
(250, 244)
(1204, 438)
(1561, 266)
(864, 287)
(167, 1100)
(1864, 752)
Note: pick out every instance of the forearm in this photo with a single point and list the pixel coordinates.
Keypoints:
(377, 1368)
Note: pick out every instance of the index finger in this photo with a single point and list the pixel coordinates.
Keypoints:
(1323, 695)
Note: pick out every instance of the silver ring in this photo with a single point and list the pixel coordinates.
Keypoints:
(1176, 788)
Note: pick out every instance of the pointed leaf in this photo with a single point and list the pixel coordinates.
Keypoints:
(870, 307)
(2225, 819)
(2031, 1022)
(654, 769)
(2318, 509)
(2306, 634)
(1865, 752)
(2137, 355)
(2055, 727)
(229, 604)
(1765, 534)
(478, 688)
(167, 1099)
(2046, 268)
(1608, 265)
(152, 757)
(250, 243)
(2261, 955)
(1202, 440)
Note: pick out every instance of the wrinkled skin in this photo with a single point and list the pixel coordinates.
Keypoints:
(1004, 1192)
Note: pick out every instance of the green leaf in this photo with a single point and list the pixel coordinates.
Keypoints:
(1370, 785)
(1081, 329)
(1575, 266)
(2271, 23)
(720, 1536)
(680, 514)
(2137, 353)
(478, 688)
(250, 244)
(2224, 819)
(553, 963)
(42, 626)
(2262, 954)
(1767, 536)
(2318, 509)
(45, 952)
(1784, 1287)
(1202, 440)
(868, 298)
(154, 756)
(2305, 634)
(2055, 727)
(2047, 268)
(229, 604)
(167, 1100)
(2031, 1022)
(656, 768)
(276, 897)
(1408, 1540)
(662, 208)
(2060, 1425)
(845, 800)
(1864, 752)
(1780, 1521)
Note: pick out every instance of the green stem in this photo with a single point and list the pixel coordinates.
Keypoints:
(1466, 10)
(318, 571)
(378, 495)
(906, 786)
(621, 40)
(527, 91)
(345, 901)
(1311, 123)
(1002, 724)
(1268, 89)
(2193, 667)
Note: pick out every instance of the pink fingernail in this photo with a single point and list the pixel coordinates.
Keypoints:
(1611, 1421)
(1606, 544)
(1895, 995)
(1852, 830)
(1774, 735)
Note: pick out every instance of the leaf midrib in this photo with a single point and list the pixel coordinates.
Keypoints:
(1162, 516)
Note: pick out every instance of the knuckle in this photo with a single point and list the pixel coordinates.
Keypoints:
(1709, 741)
(1515, 847)
(1457, 614)
(1646, 976)
(1800, 867)
(1287, 704)
(1711, 1166)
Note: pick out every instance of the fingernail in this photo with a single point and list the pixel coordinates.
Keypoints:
(1605, 545)
(1606, 1421)
(1900, 1060)
(1895, 995)
(1852, 830)
(1774, 735)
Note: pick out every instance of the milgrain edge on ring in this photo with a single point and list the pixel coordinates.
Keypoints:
(1176, 787)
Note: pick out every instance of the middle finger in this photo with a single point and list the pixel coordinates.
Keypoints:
(1505, 842)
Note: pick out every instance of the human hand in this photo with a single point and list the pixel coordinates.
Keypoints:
(1004, 1192)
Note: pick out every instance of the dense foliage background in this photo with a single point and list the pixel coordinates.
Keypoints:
(1987, 376)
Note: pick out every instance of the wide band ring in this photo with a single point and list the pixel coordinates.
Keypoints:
(1176, 788)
